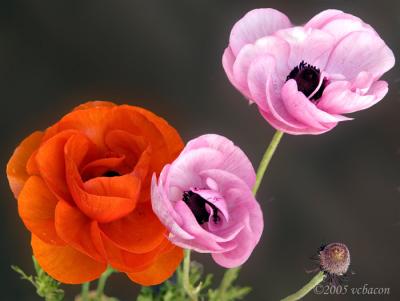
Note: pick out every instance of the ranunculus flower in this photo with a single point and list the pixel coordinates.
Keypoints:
(204, 198)
(83, 189)
(303, 79)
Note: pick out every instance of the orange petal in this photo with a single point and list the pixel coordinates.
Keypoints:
(76, 229)
(50, 161)
(139, 232)
(91, 122)
(130, 262)
(143, 165)
(16, 167)
(31, 166)
(66, 264)
(171, 136)
(94, 104)
(102, 208)
(138, 155)
(99, 167)
(143, 170)
(36, 207)
(126, 186)
(127, 118)
(126, 144)
(102, 199)
(160, 270)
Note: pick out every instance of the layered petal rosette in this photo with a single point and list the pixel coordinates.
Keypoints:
(83, 190)
(204, 198)
(305, 78)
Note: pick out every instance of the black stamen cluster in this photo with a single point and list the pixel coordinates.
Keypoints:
(307, 78)
(197, 205)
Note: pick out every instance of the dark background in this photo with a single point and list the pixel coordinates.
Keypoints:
(166, 56)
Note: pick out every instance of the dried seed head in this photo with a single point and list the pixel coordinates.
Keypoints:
(335, 259)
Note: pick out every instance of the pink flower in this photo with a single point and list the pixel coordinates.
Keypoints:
(204, 198)
(303, 79)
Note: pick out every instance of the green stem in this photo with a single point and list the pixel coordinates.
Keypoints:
(262, 168)
(307, 288)
(85, 291)
(191, 292)
(102, 282)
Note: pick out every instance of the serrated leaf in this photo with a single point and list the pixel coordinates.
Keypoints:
(46, 287)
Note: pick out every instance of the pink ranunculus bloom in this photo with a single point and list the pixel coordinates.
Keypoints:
(204, 198)
(304, 78)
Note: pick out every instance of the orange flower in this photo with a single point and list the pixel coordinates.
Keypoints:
(83, 190)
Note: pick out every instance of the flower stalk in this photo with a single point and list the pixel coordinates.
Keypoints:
(189, 289)
(85, 291)
(102, 282)
(266, 159)
(317, 279)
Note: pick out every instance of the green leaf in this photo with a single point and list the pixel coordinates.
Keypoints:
(227, 291)
(46, 287)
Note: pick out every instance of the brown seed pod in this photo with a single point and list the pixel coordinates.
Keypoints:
(335, 259)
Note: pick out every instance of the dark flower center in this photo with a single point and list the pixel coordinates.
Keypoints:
(308, 78)
(197, 205)
(111, 173)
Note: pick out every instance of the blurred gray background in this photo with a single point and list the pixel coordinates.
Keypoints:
(166, 56)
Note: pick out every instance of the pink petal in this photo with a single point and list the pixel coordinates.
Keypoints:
(379, 89)
(216, 199)
(301, 108)
(271, 105)
(310, 45)
(288, 129)
(240, 253)
(279, 49)
(244, 244)
(228, 59)
(244, 202)
(234, 159)
(184, 171)
(191, 225)
(256, 24)
(198, 245)
(265, 47)
(245, 241)
(273, 101)
(241, 67)
(339, 99)
(338, 23)
(322, 18)
(360, 51)
(164, 210)
(259, 72)
(341, 27)
(225, 180)
(362, 82)
(229, 230)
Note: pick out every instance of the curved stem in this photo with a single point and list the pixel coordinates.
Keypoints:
(85, 291)
(307, 288)
(262, 168)
(266, 159)
(102, 282)
(186, 280)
